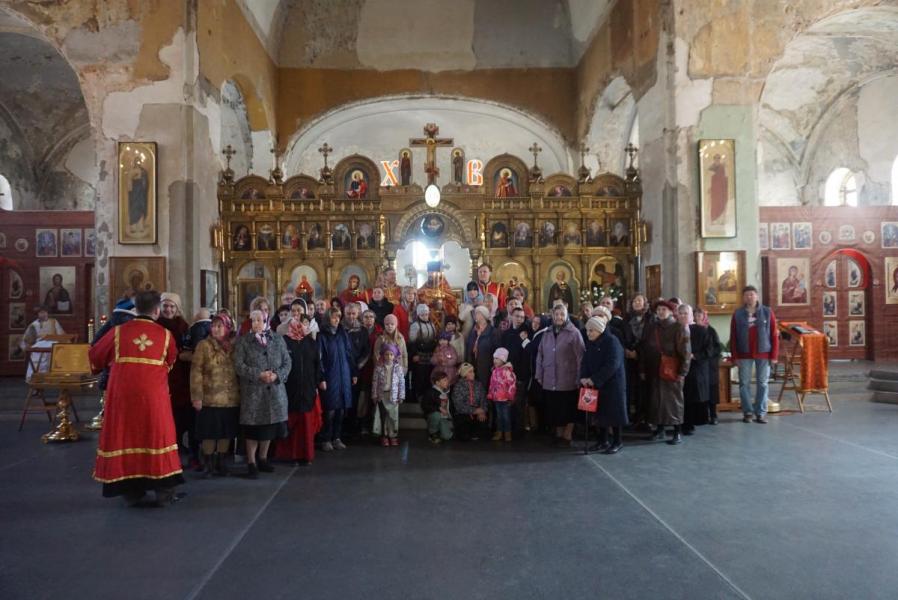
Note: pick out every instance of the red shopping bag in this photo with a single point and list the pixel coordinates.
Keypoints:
(589, 399)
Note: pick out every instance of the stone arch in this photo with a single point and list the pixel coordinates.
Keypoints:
(613, 119)
(380, 127)
(459, 227)
(809, 109)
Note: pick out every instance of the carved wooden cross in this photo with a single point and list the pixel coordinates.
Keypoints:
(325, 150)
(535, 150)
(431, 130)
(228, 153)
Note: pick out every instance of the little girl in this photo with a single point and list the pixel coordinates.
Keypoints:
(503, 384)
(445, 357)
(388, 392)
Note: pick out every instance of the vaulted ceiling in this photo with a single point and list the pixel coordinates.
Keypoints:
(426, 35)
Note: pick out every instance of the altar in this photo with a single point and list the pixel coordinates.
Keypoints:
(364, 223)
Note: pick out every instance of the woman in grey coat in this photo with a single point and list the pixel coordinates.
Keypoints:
(262, 363)
(558, 372)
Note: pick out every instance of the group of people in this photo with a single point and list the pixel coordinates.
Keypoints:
(308, 376)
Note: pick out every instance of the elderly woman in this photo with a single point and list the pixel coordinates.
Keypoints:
(603, 369)
(697, 387)
(258, 303)
(263, 365)
(422, 341)
(306, 376)
(340, 374)
(179, 376)
(557, 368)
(473, 299)
(634, 323)
(538, 325)
(481, 343)
(215, 394)
(665, 344)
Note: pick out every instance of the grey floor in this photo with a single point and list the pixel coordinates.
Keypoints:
(805, 507)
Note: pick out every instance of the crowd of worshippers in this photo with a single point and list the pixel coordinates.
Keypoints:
(310, 376)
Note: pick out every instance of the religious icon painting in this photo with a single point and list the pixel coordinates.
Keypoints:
(830, 308)
(290, 236)
(523, 235)
(802, 236)
(891, 279)
(266, 237)
(70, 242)
(458, 166)
(21, 245)
(302, 193)
(855, 274)
(252, 193)
(315, 238)
(209, 289)
(506, 183)
(780, 236)
(717, 167)
(432, 226)
(513, 275)
(829, 275)
(856, 304)
(889, 235)
(90, 242)
(15, 352)
(17, 318)
(595, 233)
(857, 333)
(561, 285)
(356, 182)
(248, 290)
(137, 193)
(548, 234)
(763, 236)
(720, 277)
(619, 234)
(793, 280)
(367, 239)
(825, 237)
(304, 283)
(241, 239)
(57, 289)
(353, 278)
(831, 331)
(301, 187)
(560, 191)
(846, 233)
(499, 235)
(405, 167)
(571, 235)
(135, 274)
(16, 286)
(341, 238)
(607, 278)
(46, 243)
(869, 237)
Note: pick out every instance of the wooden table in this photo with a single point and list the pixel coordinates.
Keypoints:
(725, 388)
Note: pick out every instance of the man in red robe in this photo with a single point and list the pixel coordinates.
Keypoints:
(138, 450)
(484, 272)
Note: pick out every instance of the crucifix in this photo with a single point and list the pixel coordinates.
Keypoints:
(583, 171)
(535, 150)
(326, 170)
(431, 130)
(228, 173)
(535, 172)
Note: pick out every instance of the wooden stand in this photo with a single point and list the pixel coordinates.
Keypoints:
(792, 374)
(725, 388)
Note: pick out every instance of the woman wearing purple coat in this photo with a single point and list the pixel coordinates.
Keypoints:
(558, 372)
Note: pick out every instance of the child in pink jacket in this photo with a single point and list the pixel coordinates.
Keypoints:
(502, 390)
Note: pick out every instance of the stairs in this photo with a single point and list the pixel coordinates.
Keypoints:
(884, 385)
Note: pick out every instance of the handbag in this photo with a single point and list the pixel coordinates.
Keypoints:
(589, 399)
(669, 369)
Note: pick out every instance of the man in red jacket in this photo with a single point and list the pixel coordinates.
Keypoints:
(754, 341)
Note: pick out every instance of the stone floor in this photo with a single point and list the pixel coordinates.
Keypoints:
(804, 507)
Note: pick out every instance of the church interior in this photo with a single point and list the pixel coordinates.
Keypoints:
(227, 151)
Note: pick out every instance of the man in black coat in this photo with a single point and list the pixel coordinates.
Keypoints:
(361, 349)
(515, 339)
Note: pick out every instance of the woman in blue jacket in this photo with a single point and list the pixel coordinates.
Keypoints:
(603, 368)
(339, 367)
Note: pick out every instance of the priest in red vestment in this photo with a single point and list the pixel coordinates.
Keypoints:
(484, 272)
(138, 450)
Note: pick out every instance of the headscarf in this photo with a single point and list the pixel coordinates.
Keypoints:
(225, 321)
(478, 299)
(688, 308)
(263, 336)
(174, 299)
(388, 347)
(601, 312)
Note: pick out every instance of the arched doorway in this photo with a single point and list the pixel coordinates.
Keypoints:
(846, 304)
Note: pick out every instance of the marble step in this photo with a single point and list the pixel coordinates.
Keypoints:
(883, 385)
(882, 374)
(885, 397)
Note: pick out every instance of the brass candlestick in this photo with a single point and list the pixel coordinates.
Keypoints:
(64, 430)
(96, 424)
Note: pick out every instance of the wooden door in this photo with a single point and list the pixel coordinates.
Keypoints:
(846, 306)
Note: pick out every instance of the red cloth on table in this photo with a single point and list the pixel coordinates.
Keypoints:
(300, 444)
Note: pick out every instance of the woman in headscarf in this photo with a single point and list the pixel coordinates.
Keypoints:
(340, 374)
(634, 323)
(303, 407)
(258, 303)
(263, 365)
(603, 369)
(697, 389)
(422, 341)
(481, 343)
(665, 337)
(215, 393)
(557, 368)
(535, 401)
(473, 299)
(179, 377)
